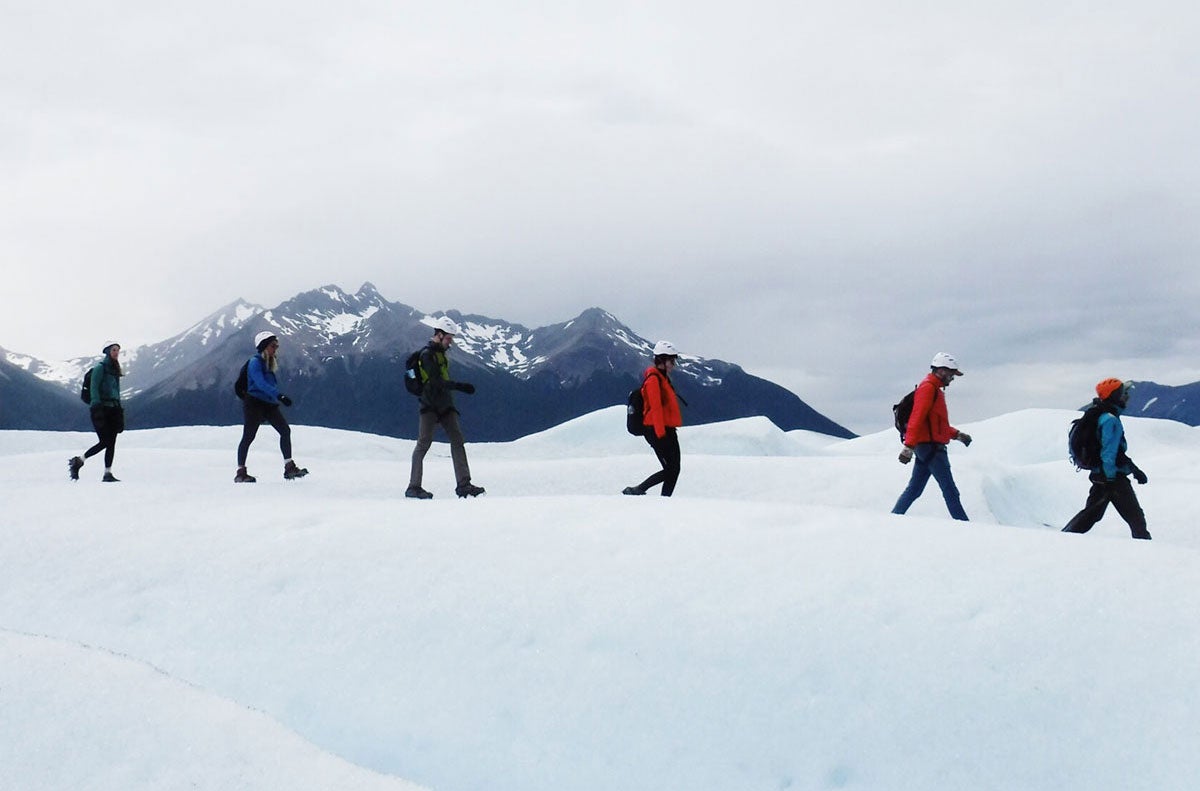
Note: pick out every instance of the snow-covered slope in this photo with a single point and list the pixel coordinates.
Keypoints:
(772, 626)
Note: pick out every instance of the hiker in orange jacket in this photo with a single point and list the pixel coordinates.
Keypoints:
(660, 418)
(926, 436)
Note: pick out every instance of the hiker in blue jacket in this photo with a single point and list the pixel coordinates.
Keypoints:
(261, 404)
(1110, 478)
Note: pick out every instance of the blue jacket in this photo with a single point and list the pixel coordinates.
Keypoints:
(1113, 461)
(260, 381)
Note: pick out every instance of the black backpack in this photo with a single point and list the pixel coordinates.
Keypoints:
(239, 384)
(635, 412)
(1083, 438)
(85, 390)
(412, 373)
(635, 409)
(902, 411)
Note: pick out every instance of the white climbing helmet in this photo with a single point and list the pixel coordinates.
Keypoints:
(446, 325)
(665, 347)
(262, 338)
(943, 360)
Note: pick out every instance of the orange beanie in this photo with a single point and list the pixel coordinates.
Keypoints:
(1107, 387)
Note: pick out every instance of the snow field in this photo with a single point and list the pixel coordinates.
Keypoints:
(772, 626)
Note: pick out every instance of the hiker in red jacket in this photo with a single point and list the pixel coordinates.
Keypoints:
(660, 418)
(926, 436)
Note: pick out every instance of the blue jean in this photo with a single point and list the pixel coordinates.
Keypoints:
(931, 458)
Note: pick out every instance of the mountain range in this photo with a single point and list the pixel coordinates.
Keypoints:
(342, 358)
(1171, 402)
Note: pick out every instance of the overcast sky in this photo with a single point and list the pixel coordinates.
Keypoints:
(824, 193)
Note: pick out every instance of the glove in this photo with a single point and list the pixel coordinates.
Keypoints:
(906, 455)
(285, 400)
(964, 438)
(467, 388)
(1139, 476)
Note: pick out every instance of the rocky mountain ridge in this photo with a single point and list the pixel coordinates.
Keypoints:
(342, 356)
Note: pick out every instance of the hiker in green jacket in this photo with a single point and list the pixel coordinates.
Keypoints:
(108, 416)
(437, 408)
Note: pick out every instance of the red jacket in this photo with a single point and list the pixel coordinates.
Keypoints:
(929, 421)
(660, 406)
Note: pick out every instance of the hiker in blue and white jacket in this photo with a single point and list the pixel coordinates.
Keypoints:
(1110, 478)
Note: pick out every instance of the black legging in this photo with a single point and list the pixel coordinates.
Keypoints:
(1120, 493)
(108, 421)
(255, 412)
(667, 451)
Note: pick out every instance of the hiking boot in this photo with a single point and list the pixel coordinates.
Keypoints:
(244, 477)
(109, 478)
(290, 471)
(74, 465)
(417, 493)
(469, 490)
(631, 490)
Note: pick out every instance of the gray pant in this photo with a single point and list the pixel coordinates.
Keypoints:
(458, 450)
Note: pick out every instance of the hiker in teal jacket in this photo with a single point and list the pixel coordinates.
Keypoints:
(108, 416)
(1110, 478)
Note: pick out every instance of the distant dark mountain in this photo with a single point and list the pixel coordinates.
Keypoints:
(1181, 402)
(342, 361)
(27, 402)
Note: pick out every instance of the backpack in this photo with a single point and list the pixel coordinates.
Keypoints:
(902, 410)
(1083, 439)
(85, 390)
(635, 410)
(239, 384)
(413, 382)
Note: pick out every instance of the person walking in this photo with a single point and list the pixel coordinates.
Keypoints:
(927, 435)
(660, 418)
(437, 408)
(1110, 476)
(108, 416)
(261, 404)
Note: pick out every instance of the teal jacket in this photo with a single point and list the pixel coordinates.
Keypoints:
(106, 383)
(1113, 461)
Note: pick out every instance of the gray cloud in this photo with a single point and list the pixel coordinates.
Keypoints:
(829, 193)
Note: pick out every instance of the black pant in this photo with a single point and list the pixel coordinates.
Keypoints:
(667, 451)
(255, 412)
(108, 421)
(1120, 493)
